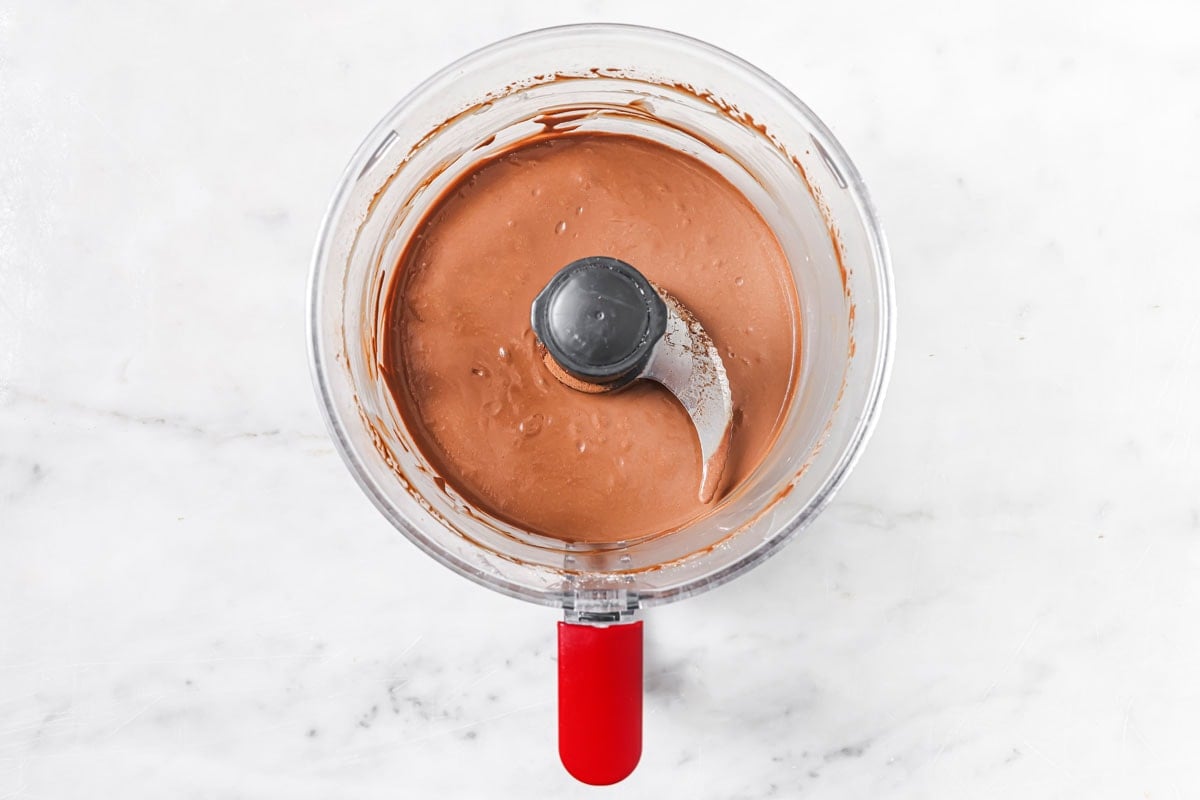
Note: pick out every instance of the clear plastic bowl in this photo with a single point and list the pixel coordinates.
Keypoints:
(700, 100)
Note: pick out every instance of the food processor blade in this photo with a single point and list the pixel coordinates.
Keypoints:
(603, 325)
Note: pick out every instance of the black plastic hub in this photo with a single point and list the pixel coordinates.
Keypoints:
(599, 318)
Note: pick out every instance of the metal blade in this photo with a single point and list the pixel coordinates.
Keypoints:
(687, 362)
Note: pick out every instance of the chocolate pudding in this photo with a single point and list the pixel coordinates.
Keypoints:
(467, 375)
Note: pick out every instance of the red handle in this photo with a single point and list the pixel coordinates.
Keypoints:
(600, 701)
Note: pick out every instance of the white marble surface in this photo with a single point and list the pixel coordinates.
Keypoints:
(197, 602)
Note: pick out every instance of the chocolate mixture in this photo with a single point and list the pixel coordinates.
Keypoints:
(462, 362)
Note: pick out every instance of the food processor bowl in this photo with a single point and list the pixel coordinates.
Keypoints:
(701, 101)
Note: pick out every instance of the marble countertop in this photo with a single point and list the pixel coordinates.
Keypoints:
(196, 601)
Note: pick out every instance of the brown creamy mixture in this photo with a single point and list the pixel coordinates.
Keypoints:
(462, 362)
